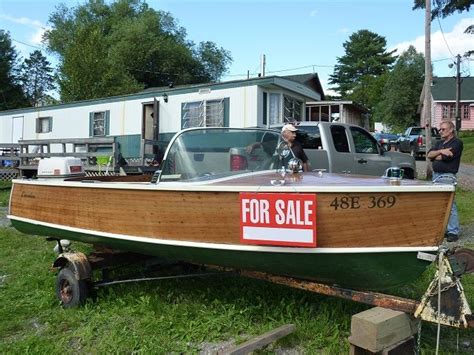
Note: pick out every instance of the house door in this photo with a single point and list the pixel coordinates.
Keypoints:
(17, 129)
(150, 125)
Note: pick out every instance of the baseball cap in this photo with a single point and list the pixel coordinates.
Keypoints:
(289, 127)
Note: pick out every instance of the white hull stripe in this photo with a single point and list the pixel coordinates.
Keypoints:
(231, 247)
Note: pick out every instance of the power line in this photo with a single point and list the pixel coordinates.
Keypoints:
(26, 44)
(442, 32)
(286, 70)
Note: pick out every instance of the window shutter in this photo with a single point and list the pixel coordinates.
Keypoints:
(107, 122)
(50, 124)
(226, 111)
(91, 124)
(183, 114)
(264, 113)
(38, 125)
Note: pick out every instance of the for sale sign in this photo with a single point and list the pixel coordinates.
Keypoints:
(278, 219)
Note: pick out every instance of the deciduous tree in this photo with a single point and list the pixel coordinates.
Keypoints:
(125, 46)
(443, 8)
(401, 93)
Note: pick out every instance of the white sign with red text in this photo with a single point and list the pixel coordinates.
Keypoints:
(278, 219)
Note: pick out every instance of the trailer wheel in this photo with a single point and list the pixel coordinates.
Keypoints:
(70, 291)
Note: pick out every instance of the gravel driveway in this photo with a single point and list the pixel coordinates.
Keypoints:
(465, 175)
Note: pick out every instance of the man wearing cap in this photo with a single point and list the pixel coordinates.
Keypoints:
(288, 132)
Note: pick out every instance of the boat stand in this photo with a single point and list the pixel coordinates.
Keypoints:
(443, 303)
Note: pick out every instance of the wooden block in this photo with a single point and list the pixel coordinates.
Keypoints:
(379, 328)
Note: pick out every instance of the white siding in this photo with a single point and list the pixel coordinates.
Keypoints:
(245, 110)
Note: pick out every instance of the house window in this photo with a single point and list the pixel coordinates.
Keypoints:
(99, 123)
(465, 112)
(274, 109)
(210, 113)
(449, 111)
(291, 109)
(44, 124)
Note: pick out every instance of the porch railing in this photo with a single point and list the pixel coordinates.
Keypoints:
(97, 154)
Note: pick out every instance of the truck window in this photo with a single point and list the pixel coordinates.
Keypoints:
(363, 141)
(339, 138)
(309, 137)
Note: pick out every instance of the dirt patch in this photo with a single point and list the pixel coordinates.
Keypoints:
(4, 221)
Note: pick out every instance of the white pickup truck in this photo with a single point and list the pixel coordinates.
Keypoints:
(350, 149)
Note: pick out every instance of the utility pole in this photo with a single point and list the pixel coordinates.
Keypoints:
(458, 92)
(427, 87)
(263, 63)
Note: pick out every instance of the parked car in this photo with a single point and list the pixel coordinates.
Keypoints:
(413, 141)
(350, 149)
(386, 140)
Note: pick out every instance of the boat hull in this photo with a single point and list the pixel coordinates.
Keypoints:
(375, 270)
(367, 235)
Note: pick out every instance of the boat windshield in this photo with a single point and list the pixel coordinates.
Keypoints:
(210, 153)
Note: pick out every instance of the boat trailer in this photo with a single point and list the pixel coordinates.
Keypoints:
(444, 301)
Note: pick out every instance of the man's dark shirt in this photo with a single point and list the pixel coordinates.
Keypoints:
(448, 164)
(298, 151)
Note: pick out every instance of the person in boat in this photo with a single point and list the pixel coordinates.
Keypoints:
(288, 133)
(268, 145)
(446, 157)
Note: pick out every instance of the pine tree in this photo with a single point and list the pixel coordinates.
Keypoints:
(11, 95)
(37, 78)
(365, 60)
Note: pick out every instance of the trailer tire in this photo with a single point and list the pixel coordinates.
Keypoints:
(71, 292)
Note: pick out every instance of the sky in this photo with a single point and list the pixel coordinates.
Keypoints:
(296, 36)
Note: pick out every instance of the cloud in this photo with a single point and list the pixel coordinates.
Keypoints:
(23, 21)
(313, 13)
(447, 46)
(37, 37)
(343, 30)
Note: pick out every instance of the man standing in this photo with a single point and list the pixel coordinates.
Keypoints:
(446, 157)
(288, 132)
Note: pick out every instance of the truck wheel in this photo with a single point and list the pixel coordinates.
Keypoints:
(70, 291)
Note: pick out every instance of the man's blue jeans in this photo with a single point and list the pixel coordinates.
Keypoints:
(453, 223)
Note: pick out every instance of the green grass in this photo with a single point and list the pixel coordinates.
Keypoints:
(468, 151)
(177, 316)
(4, 192)
(465, 203)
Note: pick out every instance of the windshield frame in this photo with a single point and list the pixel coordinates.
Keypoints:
(183, 132)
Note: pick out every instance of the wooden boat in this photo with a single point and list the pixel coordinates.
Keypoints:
(214, 203)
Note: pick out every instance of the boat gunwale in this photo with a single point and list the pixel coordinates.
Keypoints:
(214, 186)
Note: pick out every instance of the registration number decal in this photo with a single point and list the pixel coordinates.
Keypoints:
(368, 202)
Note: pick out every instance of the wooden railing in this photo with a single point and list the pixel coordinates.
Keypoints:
(97, 154)
(9, 154)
